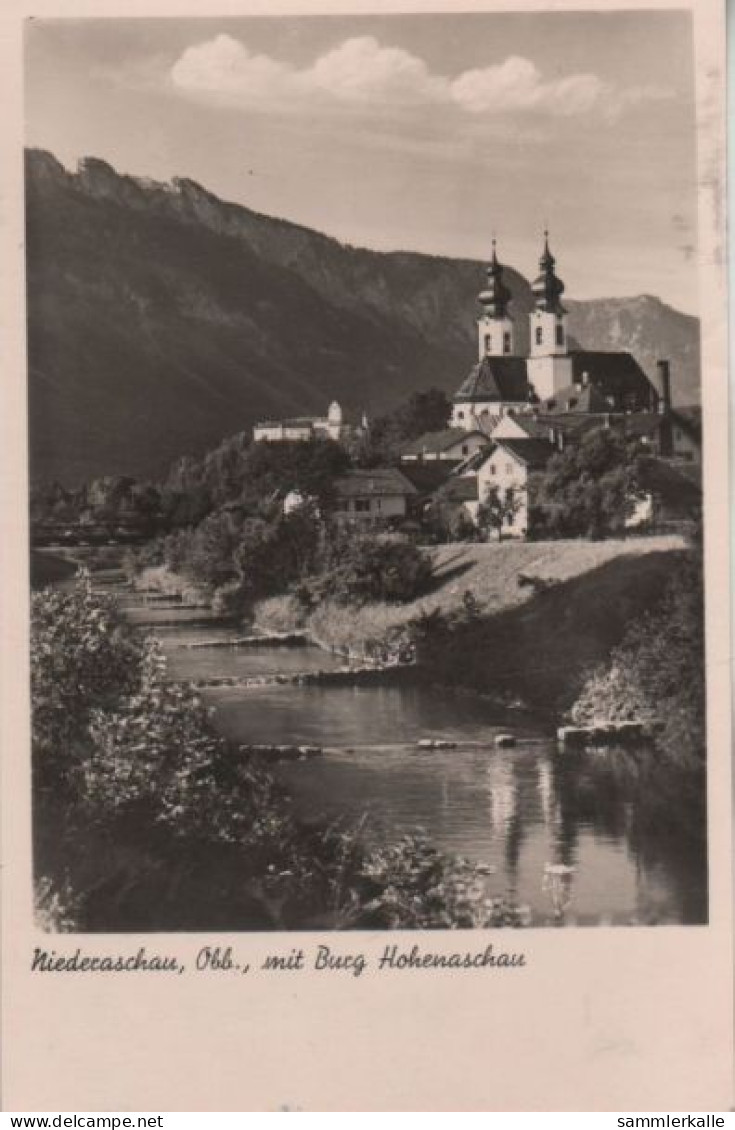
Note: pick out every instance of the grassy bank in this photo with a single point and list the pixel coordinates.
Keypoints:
(524, 622)
(506, 580)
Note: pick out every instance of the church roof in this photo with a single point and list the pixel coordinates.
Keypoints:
(496, 296)
(548, 288)
(496, 379)
(602, 382)
(572, 398)
(616, 371)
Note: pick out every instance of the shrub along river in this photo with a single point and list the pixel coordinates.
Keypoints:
(598, 838)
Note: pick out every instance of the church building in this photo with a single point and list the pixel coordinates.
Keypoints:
(553, 372)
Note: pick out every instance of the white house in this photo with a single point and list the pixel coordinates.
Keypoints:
(507, 468)
(373, 495)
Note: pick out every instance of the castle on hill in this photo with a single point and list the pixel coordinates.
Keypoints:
(332, 426)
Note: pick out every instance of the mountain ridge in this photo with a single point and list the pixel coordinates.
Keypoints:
(161, 318)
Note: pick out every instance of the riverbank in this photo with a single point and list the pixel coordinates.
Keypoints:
(520, 622)
(148, 817)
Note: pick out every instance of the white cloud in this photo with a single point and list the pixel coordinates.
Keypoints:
(361, 71)
(224, 68)
(517, 84)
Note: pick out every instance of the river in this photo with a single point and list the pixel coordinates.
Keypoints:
(595, 839)
(599, 839)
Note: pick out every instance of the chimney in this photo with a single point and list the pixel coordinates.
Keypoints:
(666, 431)
(664, 377)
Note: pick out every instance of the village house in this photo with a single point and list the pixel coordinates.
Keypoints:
(450, 445)
(506, 469)
(371, 496)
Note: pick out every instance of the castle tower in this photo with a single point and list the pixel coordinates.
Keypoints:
(495, 325)
(549, 366)
(335, 420)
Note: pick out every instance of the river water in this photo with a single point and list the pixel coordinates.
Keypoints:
(604, 839)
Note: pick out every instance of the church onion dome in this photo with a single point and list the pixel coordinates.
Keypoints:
(548, 288)
(496, 296)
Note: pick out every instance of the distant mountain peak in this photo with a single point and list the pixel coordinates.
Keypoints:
(162, 318)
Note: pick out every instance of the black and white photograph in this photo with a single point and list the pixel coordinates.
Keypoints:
(365, 449)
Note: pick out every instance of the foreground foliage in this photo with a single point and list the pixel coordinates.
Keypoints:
(657, 674)
(146, 818)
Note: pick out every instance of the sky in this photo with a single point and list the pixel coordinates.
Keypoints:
(418, 132)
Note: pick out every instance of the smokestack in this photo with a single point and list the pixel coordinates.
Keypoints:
(664, 378)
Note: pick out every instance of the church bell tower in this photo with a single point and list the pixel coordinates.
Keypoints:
(549, 366)
(495, 326)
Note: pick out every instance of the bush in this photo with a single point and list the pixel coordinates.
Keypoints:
(657, 673)
(162, 824)
(82, 655)
(359, 568)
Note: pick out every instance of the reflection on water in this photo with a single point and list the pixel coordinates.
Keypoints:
(238, 662)
(585, 840)
(599, 838)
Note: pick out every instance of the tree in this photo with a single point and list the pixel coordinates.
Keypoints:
(591, 488)
(498, 509)
(423, 412)
(309, 467)
(82, 654)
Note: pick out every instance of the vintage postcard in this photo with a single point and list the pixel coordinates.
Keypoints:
(366, 681)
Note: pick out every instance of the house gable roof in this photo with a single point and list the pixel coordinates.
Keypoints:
(378, 482)
(427, 477)
(437, 442)
(464, 489)
(534, 453)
